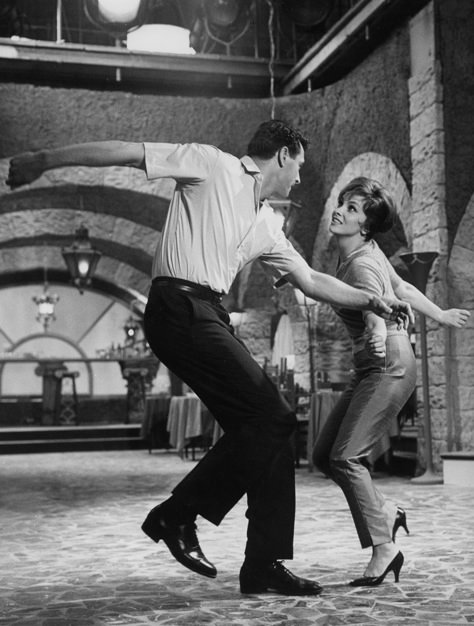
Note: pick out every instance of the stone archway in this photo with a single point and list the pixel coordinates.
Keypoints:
(460, 370)
(372, 165)
(123, 211)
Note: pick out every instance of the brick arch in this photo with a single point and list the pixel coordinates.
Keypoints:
(35, 223)
(146, 209)
(118, 178)
(135, 258)
(123, 211)
(109, 269)
(127, 247)
(372, 165)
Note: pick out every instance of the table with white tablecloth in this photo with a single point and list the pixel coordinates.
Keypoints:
(186, 422)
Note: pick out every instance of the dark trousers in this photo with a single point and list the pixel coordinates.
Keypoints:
(194, 339)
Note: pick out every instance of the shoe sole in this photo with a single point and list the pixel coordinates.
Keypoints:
(259, 590)
(154, 536)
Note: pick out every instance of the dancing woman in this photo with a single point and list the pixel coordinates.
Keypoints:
(384, 372)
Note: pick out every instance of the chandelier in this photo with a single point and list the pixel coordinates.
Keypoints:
(45, 303)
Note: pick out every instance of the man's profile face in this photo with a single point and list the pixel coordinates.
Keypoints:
(289, 171)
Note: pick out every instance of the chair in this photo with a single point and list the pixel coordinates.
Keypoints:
(66, 404)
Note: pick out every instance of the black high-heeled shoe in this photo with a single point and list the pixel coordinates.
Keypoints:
(400, 520)
(372, 581)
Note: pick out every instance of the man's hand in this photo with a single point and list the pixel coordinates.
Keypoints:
(376, 345)
(25, 168)
(392, 309)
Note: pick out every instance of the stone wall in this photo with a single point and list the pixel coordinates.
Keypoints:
(361, 113)
(406, 104)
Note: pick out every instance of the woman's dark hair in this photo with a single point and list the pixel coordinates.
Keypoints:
(378, 205)
(273, 135)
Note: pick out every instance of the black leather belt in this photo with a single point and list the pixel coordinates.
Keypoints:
(199, 291)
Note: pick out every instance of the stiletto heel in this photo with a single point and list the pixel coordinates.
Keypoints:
(397, 566)
(400, 520)
(372, 581)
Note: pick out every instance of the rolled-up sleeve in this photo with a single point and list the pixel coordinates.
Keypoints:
(183, 162)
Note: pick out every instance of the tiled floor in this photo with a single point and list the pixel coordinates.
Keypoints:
(73, 554)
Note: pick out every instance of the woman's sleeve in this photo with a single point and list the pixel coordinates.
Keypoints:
(366, 275)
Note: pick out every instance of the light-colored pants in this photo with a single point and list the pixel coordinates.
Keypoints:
(377, 392)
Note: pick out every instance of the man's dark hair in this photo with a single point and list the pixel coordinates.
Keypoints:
(378, 205)
(273, 135)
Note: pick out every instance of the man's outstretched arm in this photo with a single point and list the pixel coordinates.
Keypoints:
(326, 288)
(28, 166)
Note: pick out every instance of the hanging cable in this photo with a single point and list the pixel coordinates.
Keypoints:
(271, 62)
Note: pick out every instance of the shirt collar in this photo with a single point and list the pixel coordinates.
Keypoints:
(250, 166)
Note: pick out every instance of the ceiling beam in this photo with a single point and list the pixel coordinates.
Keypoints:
(340, 41)
(79, 54)
(50, 59)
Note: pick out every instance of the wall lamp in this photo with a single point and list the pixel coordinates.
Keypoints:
(131, 328)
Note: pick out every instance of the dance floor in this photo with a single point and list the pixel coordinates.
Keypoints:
(72, 552)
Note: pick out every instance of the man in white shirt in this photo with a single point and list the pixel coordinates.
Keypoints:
(218, 221)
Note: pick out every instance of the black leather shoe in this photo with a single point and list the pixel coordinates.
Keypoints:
(275, 578)
(181, 540)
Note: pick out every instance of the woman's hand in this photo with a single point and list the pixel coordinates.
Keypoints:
(376, 345)
(454, 317)
(25, 168)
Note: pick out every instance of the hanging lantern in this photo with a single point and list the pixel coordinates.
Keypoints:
(81, 259)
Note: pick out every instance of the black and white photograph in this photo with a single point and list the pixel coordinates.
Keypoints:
(236, 312)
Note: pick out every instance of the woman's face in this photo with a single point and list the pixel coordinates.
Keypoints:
(349, 218)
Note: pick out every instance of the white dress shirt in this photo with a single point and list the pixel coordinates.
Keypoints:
(216, 222)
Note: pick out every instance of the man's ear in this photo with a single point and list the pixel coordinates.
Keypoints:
(281, 155)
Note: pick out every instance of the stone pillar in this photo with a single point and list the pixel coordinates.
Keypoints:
(429, 225)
